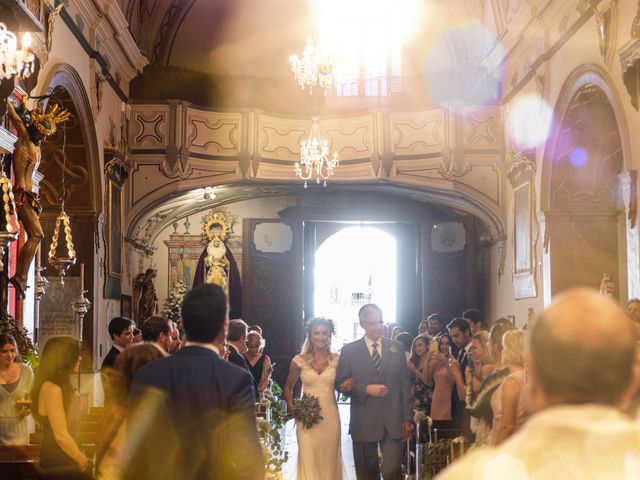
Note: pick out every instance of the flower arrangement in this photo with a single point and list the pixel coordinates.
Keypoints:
(307, 410)
(173, 304)
(28, 352)
(270, 433)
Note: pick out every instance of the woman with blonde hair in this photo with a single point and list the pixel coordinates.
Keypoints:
(480, 395)
(259, 364)
(508, 402)
(319, 453)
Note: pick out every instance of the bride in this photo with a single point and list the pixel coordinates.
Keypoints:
(319, 454)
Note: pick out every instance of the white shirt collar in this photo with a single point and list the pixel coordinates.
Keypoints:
(370, 343)
(119, 348)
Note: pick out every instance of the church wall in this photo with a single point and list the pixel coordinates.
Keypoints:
(581, 48)
(66, 50)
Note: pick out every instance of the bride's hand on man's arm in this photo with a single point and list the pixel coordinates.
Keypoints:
(347, 385)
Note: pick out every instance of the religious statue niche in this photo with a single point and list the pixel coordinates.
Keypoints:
(216, 263)
(33, 127)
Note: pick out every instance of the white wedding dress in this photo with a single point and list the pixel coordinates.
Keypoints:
(319, 452)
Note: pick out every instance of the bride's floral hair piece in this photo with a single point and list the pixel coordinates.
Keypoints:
(312, 323)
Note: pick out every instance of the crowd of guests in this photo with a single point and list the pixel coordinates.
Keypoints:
(467, 374)
(176, 392)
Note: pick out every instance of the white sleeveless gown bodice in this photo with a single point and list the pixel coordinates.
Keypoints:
(319, 453)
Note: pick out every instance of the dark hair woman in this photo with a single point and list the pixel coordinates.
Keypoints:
(417, 364)
(53, 396)
(16, 379)
(445, 374)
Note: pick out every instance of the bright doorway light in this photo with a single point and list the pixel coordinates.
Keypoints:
(355, 266)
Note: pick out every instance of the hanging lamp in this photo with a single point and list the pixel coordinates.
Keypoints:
(62, 253)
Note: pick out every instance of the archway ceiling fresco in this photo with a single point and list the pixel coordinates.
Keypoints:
(249, 38)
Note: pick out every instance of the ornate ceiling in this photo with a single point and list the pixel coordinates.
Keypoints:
(255, 38)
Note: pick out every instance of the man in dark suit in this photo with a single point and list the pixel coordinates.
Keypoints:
(381, 413)
(192, 414)
(460, 333)
(237, 340)
(121, 333)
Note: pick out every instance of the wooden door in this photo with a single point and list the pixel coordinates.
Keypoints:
(272, 287)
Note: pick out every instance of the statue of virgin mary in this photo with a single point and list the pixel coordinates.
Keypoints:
(216, 264)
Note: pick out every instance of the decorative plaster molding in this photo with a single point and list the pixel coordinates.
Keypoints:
(521, 166)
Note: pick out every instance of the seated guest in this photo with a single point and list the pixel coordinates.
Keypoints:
(16, 380)
(192, 415)
(258, 363)
(109, 454)
(157, 332)
(581, 373)
(121, 333)
(237, 340)
(508, 403)
(444, 373)
(53, 406)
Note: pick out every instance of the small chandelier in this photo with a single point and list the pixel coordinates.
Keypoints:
(319, 66)
(62, 260)
(14, 61)
(314, 158)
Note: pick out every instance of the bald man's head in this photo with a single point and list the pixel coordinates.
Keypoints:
(582, 349)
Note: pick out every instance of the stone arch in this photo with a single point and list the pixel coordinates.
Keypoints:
(580, 187)
(80, 160)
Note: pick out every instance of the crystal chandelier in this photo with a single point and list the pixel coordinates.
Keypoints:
(14, 61)
(319, 66)
(314, 158)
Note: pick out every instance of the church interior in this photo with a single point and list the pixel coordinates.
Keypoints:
(311, 157)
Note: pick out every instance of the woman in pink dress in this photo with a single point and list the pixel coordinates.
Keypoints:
(443, 372)
(508, 402)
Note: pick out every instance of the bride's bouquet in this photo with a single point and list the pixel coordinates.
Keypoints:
(307, 410)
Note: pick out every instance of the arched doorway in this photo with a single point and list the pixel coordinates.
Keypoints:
(582, 206)
(82, 197)
(355, 266)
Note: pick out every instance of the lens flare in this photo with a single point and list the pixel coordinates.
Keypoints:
(578, 157)
(456, 67)
(529, 121)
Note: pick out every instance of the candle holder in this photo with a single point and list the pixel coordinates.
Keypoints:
(8, 222)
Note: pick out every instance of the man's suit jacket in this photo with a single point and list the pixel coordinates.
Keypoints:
(371, 417)
(110, 359)
(236, 358)
(192, 416)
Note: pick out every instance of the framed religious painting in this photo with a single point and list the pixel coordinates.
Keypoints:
(520, 172)
(523, 264)
(116, 173)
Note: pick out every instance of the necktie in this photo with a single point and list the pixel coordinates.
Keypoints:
(375, 356)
